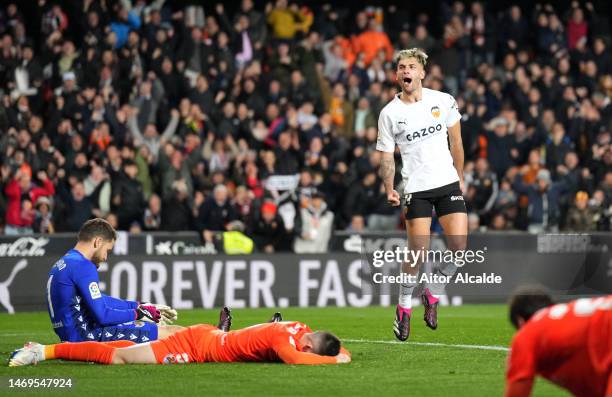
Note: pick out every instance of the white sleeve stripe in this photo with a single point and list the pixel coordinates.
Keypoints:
(383, 148)
(51, 311)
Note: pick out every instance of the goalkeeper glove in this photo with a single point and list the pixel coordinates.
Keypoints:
(168, 314)
(148, 313)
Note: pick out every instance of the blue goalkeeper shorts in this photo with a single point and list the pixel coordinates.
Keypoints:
(135, 331)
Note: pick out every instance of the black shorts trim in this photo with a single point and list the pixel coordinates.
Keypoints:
(447, 199)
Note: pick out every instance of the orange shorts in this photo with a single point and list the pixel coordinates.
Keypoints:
(186, 346)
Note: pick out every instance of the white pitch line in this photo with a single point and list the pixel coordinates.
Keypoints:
(392, 342)
(24, 333)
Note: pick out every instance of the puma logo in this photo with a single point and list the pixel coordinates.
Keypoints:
(5, 296)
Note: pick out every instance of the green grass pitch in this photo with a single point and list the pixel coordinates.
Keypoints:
(380, 366)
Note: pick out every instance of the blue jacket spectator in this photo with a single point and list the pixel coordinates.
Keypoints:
(543, 210)
(128, 21)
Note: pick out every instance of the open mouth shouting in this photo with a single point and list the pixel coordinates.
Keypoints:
(407, 80)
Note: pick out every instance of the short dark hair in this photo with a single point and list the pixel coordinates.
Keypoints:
(97, 227)
(526, 301)
(327, 344)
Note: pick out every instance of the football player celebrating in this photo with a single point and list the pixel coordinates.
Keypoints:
(80, 312)
(290, 342)
(569, 344)
(424, 124)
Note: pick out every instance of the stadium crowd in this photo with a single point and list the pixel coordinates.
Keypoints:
(265, 120)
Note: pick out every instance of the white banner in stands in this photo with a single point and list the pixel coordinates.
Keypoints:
(282, 182)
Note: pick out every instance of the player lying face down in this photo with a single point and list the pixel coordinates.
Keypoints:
(290, 342)
(570, 344)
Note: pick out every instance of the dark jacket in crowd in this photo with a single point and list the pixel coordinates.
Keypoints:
(132, 203)
(212, 216)
(176, 214)
(70, 214)
(498, 152)
(264, 233)
(543, 206)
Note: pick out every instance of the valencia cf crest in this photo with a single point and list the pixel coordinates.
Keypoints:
(435, 111)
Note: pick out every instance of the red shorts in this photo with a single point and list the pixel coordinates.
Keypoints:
(189, 345)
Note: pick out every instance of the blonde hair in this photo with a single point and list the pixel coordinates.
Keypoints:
(416, 53)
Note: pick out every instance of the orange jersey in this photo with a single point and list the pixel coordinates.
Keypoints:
(269, 342)
(569, 344)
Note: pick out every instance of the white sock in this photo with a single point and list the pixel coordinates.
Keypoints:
(405, 295)
(40, 353)
(447, 270)
(39, 350)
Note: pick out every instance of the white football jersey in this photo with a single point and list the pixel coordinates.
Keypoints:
(420, 131)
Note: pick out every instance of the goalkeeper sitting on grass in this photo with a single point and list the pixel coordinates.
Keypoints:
(80, 312)
(290, 342)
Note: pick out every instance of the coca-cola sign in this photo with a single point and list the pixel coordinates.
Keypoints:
(24, 246)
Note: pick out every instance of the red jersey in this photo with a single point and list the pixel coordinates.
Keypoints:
(569, 344)
(269, 342)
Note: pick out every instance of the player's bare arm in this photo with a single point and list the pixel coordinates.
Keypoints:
(387, 174)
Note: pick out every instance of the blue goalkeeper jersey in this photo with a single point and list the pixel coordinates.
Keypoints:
(77, 308)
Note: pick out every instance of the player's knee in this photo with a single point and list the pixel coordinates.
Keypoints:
(458, 246)
(456, 242)
(411, 268)
(172, 328)
(163, 331)
(118, 358)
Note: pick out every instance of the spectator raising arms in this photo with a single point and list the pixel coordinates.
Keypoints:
(22, 194)
(161, 116)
